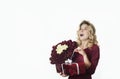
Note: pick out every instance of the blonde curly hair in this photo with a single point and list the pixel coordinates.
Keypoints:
(92, 36)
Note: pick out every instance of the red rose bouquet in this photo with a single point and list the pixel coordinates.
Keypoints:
(62, 51)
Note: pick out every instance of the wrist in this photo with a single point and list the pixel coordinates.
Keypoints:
(84, 55)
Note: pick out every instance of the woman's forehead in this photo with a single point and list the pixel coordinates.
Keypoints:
(84, 26)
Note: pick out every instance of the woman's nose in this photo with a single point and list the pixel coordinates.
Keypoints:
(82, 30)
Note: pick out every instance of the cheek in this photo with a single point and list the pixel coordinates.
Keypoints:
(86, 34)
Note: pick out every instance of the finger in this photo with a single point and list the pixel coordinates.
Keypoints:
(81, 48)
(61, 73)
(64, 75)
(75, 50)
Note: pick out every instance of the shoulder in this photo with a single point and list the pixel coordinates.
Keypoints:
(95, 47)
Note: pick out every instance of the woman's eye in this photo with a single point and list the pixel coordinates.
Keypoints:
(84, 29)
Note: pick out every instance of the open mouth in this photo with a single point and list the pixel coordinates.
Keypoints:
(81, 34)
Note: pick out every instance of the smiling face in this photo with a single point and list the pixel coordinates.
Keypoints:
(84, 32)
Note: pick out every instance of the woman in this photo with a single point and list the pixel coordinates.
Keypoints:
(87, 53)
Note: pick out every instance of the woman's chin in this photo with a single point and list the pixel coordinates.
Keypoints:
(83, 39)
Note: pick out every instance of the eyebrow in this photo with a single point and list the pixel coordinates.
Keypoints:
(84, 28)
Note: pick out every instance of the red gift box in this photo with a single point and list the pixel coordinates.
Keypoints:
(70, 69)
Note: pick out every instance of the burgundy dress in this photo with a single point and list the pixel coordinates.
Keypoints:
(93, 55)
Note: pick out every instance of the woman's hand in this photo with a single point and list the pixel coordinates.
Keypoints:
(80, 51)
(63, 75)
(86, 60)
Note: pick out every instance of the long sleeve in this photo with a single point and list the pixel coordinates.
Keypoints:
(94, 60)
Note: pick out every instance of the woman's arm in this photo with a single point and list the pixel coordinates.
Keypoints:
(89, 66)
(86, 61)
(85, 57)
(94, 60)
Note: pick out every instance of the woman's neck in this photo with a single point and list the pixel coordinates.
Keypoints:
(84, 44)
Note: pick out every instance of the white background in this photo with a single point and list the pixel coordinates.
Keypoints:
(29, 29)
